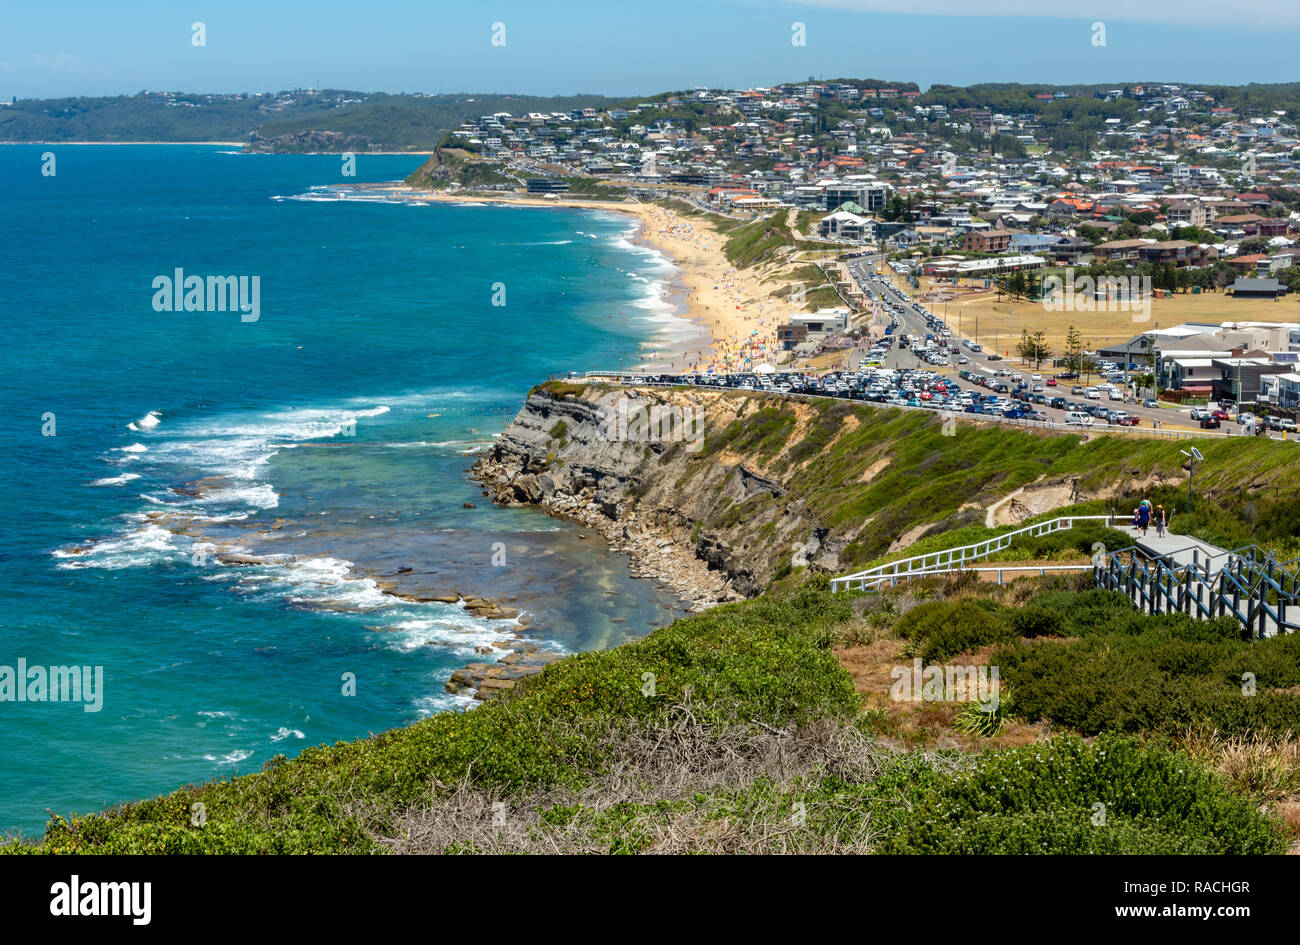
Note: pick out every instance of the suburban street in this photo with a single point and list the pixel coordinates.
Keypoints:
(875, 285)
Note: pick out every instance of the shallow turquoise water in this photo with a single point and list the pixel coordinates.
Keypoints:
(332, 434)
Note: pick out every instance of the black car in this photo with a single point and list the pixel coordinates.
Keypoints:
(1210, 423)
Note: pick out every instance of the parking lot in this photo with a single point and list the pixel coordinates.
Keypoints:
(919, 339)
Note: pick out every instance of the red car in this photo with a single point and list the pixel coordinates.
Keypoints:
(1129, 421)
(1051, 382)
(1221, 415)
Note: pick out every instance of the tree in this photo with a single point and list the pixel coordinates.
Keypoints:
(1038, 348)
(1073, 349)
(1025, 346)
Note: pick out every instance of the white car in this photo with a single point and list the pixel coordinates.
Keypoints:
(1076, 418)
(1092, 394)
(1116, 395)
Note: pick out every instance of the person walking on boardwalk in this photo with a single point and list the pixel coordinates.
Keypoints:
(1160, 521)
(1144, 516)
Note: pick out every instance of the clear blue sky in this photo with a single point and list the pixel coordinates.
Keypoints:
(620, 48)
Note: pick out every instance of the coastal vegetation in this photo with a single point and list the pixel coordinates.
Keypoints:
(453, 161)
(945, 483)
(741, 730)
(390, 122)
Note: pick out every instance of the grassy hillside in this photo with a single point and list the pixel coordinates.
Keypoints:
(739, 731)
(877, 474)
(449, 164)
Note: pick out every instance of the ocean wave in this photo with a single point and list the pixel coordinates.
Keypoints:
(426, 706)
(458, 631)
(141, 547)
(282, 733)
(230, 758)
(147, 422)
(116, 480)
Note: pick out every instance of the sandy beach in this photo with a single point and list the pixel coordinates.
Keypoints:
(732, 307)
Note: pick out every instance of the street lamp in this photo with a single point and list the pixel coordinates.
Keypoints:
(1192, 457)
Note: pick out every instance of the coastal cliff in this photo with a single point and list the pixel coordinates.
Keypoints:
(649, 497)
(719, 493)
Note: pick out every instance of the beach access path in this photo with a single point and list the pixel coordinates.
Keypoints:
(1178, 550)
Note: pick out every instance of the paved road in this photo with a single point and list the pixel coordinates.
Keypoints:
(878, 286)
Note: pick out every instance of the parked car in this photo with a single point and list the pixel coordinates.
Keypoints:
(1077, 419)
(1220, 414)
(1076, 391)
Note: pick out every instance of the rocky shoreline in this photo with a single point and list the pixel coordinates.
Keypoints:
(484, 680)
(652, 553)
(558, 456)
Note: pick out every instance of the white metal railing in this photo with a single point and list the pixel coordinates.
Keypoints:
(950, 559)
(1039, 569)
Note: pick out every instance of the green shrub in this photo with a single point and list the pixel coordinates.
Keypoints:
(764, 661)
(1065, 796)
(939, 630)
(1156, 674)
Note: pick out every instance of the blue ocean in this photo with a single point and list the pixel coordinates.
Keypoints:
(233, 517)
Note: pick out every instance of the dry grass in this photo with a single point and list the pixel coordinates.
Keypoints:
(1266, 767)
(1010, 317)
(668, 794)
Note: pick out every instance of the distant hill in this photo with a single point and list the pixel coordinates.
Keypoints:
(300, 120)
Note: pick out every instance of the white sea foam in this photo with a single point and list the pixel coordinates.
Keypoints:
(432, 705)
(116, 480)
(147, 422)
(230, 758)
(457, 630)
(140, 547)
(282, 733)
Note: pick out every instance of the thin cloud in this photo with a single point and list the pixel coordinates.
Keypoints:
(1196, 14)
